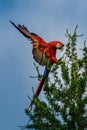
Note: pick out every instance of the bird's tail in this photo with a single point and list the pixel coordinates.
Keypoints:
(23, 30)
(38, 90)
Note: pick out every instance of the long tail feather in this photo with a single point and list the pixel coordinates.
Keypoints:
(38, 90)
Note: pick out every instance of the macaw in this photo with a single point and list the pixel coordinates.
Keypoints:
(43, 52)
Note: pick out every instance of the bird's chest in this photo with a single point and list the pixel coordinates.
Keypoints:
(40, 56)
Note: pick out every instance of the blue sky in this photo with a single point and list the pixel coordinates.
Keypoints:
(47, 18)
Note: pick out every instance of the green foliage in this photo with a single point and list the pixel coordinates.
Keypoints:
(65, 92)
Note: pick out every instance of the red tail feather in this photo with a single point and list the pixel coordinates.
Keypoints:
(38, 90)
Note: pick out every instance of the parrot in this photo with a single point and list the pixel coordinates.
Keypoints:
(43, 52)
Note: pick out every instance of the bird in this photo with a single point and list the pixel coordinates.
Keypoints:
(43, 52)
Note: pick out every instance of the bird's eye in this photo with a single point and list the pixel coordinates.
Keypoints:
(59, 46)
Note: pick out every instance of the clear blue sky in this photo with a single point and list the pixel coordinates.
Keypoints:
(49, 19)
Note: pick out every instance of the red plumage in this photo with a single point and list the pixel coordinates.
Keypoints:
(44, 53)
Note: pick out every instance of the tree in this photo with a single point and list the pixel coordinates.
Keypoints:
(65, 92)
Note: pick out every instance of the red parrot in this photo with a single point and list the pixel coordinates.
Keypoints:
(44, 53)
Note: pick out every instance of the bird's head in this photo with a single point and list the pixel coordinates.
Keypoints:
(57, 45)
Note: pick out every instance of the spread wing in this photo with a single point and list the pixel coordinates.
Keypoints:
(27, 33)
(39, 45)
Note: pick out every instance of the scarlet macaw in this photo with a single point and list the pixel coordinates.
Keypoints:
(44, 53)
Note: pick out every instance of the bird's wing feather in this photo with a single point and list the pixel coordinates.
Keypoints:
(34, 37)
(23, 30)
(39, 45)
